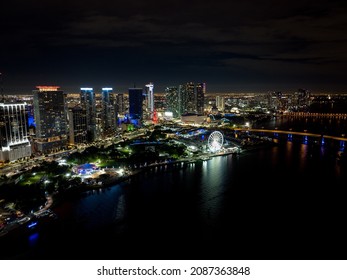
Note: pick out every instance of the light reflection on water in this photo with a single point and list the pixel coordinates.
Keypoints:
(327, 126)
(33, 239)
(211, 202)
(99, 208)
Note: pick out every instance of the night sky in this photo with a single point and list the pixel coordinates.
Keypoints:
(233, 46)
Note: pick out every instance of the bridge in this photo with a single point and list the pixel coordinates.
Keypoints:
(305, 133)
(315, 115)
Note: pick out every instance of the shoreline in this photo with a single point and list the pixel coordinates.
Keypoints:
(55, 199)
(111, 181)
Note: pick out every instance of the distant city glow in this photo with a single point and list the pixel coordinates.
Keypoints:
(47, 88)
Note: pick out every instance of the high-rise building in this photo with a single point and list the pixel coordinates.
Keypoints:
(192, 98)
(187, 97)
(50, 119)
(113, 112)
(149, 100)
(135, 103)
(173, 101)
(120, 106)
(88, 103)
(200, 97)
(14, 142)
(77, 125)
(220, 103)
(108, 115)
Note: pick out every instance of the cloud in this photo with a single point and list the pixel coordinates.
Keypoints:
(219, 38)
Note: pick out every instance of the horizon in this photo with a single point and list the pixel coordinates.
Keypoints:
(6, 90)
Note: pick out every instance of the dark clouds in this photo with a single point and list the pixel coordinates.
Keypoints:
(231, 45)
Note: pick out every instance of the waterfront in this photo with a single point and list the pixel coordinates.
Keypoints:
(280, 202)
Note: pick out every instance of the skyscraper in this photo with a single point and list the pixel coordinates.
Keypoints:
(14, 142)
(135, 103)
(149, 100)
(187, 94)
(120, 107)
(88, 104)
(77, 125)
(108, 115)
(173, 100)
(192, 98)
(50, 119)
(200, 97)
(220, 103)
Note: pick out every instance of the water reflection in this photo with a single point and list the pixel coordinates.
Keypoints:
(214, 203)
(303, 155)
(33, 239)
(214, 186)
(101, 208)
(326, 126)
(289, 153)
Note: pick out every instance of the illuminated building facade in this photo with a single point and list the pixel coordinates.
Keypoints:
(50, 119)
(14, 142)
(88, 103)
(120, 104)
(200, 97)
(149, 100)
(173, 101)
(187, 97)
(108, 113)
(119, 108)
(77, 125)
(220, 103)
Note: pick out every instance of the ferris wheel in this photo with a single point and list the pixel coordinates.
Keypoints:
(215, 141)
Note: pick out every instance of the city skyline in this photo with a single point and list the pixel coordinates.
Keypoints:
(232, 47)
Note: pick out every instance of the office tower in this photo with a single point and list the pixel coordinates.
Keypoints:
(188, 98)
(173, 101)
(149, 100)
(77, 125)
(88, 103)
(120, 105)
(50, 119)
(182, 100)
(135, 103)
(192, 98)
(108, 117)
(220, 104)
(113, 113)
(98, 116)
(200, 97)
(14, 142)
